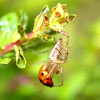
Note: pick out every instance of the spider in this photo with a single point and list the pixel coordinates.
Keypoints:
(57, 57)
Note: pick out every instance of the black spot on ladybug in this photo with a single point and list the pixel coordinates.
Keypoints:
(42, 74)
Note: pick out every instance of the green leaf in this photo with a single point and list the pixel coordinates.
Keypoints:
(40, 19)
(23, 20)
(20, 59)
(44, 10)
(22, 25)
(4, 60)
(8, 29)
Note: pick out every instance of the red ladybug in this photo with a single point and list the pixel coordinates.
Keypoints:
(43, 76)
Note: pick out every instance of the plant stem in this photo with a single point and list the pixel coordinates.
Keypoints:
(9, 47)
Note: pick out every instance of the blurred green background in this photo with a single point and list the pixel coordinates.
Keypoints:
(81, 72)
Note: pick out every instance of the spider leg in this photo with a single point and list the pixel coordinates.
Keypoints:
(38, 63)
(61, 72)
(65, 53)
(51, 70)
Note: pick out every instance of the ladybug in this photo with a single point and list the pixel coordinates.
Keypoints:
(44, 76)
